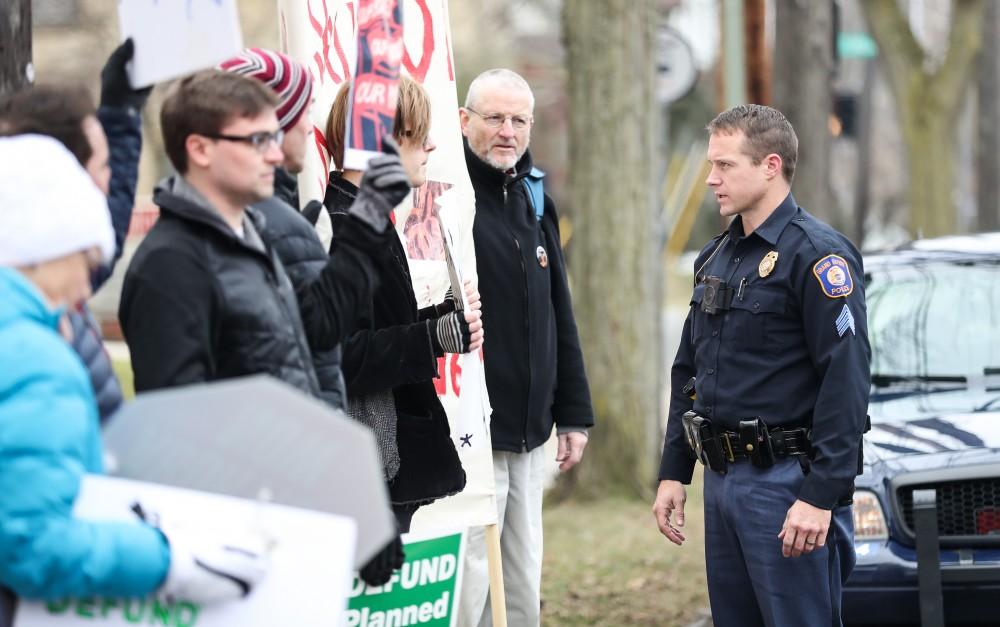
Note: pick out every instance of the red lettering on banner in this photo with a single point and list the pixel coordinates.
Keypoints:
(419, 71)
(447, 46)
(324, 154)
(327, 32)
(449, 372)
(440, 384)
(456, 375)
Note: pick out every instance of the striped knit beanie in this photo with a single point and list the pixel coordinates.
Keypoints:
(284, 75)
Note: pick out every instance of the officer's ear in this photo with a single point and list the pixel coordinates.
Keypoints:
(772, 166)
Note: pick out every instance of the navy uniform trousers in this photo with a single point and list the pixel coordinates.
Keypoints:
(749, 582)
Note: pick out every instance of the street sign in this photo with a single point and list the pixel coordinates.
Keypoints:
(676, 73)
(856, 46)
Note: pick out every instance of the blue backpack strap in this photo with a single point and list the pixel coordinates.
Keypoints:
(536, 191)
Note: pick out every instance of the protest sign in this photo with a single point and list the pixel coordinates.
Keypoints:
(376, 80)
(321, 34)
(299, 589)
(174, 38)
(423, 592)
(256, 435)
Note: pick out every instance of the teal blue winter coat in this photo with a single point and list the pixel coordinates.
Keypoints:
(49, 437)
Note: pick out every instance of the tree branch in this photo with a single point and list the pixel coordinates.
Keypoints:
(963, 44)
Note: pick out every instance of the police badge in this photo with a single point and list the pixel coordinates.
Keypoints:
(766, 266)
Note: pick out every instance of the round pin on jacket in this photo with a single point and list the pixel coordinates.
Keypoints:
(543, 257)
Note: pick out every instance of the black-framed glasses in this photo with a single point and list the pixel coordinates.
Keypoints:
(496, 120)
(261, 140)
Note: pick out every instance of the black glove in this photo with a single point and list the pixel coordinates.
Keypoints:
(312, 210)
(383, 186)
(451, 333)
(379, 569)
(116, 91)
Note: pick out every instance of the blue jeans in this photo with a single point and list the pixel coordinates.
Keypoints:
(749, 582)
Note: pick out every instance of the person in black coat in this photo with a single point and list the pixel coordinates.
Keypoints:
(534, 364)
(204, 297)
(391, 360)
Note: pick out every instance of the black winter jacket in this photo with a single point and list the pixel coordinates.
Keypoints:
(303, 256)
(392, 348)
(534, 365)
(200, 303)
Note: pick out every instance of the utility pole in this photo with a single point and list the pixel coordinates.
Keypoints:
(758, 66)
(16, 70)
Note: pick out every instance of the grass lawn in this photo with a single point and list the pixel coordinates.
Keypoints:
(607, 564)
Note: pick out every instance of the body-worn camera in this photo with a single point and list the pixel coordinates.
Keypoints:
(717, 296)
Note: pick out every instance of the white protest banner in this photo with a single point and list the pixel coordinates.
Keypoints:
(173, 37)
(321, 34)
(376, 81)
(308, 581)
(423, 592)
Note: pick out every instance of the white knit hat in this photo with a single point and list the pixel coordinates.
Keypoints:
(49, 205)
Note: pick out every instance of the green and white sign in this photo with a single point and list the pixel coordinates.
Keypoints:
(423, 592)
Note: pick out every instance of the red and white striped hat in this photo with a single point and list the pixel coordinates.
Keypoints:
(284, 75)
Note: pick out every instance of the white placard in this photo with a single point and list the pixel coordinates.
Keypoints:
(321, 34)
(308, 582)
(176, 37)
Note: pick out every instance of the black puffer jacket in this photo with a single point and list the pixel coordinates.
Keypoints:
(392, 348)
(200, 303)
(297, 245)
(534, 365)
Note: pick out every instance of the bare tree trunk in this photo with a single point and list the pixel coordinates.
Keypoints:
(928, 103)
(15, 45)
(615, 270)
(988, 144)
(803, 79)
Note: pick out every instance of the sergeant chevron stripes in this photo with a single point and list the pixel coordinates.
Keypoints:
(845, 321)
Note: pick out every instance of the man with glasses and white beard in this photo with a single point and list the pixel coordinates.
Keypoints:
(534, 365)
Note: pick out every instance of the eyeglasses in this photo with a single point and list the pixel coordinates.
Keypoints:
(496, 120)
(261, 140)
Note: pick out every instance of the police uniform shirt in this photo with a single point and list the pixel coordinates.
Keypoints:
(791, 349)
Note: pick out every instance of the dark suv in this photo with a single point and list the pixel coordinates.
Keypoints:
(927, 508)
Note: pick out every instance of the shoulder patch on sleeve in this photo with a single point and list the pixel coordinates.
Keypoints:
(834, 276)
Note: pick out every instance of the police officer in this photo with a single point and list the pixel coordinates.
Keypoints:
(769, 389)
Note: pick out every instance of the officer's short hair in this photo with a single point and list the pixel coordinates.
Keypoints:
(766, 130)
(413, 117)
(203, 103)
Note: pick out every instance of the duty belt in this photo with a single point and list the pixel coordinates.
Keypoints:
(753, 442)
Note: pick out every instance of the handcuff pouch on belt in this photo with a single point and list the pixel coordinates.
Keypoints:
(717, 295)
(756, 441)
(710, 450)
